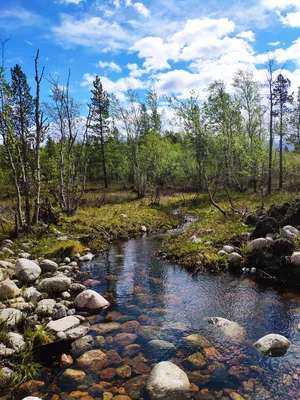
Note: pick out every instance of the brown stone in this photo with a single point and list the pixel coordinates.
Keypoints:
(93, 361)
(73, 375)
(121, 397)
(114, 358)
(131, 350)
(124, 339)
(239, 372)
(104, 329)
(96, 390)
(196, 361)
(30, 387)
(108, 374)
(77, 394)
(235, 396)
(136, 386)
(204, 394)
(87, 397)
(212, 354)
(107, 396)
(121, 390)
(66, 360)
(130, 327)
(124, 372)
(198, 378)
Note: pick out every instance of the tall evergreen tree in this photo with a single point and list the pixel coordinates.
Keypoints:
(100, 120)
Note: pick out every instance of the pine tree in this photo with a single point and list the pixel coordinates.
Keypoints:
(100, 120)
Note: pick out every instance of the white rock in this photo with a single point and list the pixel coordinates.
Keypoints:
(11, 316)
(258, 244)
(16, 341)
(24, 255)
(86, 257)
(167, 382)
(67, 260)
(77, 332)
(6, 264)
(65, 295)
(228, 249)
(228, 328)
(123, 215)
(235, 258)
(289, 232)
(273, 345)
(222, 253)
(143, 228)
(253, 270)
(90, 301)
(45, 308)
(271, 236)
(48, 266)
(31, 398)
(8, 250)
(27, 271)
(295, 258)
(57, 284)
(63, 324)
(8, 290)
(31, 293)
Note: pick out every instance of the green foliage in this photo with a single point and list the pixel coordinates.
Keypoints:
(25, 367)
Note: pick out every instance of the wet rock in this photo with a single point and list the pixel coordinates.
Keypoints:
(82, 344)
(77, 332)
(196, 361)
(90, 301)
(27, 271)
(121, 397)
(45, 307)
(114, 358)
(30, 387)
(63, 324)
(8, 290)
(124, 339)
(73, 376)
(148, 333)
(93, 361)
(273, 345)
(130, 326)
(108, 374)
(235, 396)
(131, 350)
(135, 387)
(167, 382)
(228, 328)
(124, 372)
(57, 284)
(265, 226)
(219, 378)
(239, 372)
(106, 328)
(66, 360)
(11, 317)
(195, 341)
(16, 341)
(160, 350)
(295, 258)
(258, 244)
(6, 376)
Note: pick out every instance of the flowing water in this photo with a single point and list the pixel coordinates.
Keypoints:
(156, 293)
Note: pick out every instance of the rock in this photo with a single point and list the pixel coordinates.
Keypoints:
(31, 398)
(45, 308)
(90, 301)
(81, 345)
(8, 251)
(103, 329)
(24, 255)
(222, 253)
(195, 341)
(48, 266)
(273, 345)
(11, 316)
(77, 288)
(66, 260)
(93, 361)
(235, 258)
(228, 249)
(86, 257)
(295, 258)
(6, 264)
(196, 240)
(289, 232)
(8, 290)
(16, 341)
(143, 229)
(124, 339)
(135, 387)
(6, 376)
(219, 378)
(31, 293)
(77, 332)
(265, 226)
(131, 350)
(5, 351)
(60, 313)
(167, 382)
(124, 372)
(229, 328)
(63, 324)
(160, 350)
(258, 244)
(196, 361)
(148, 333)
(66, 360)
(65, 295)
(57, 284)
(130, 327)
(253, 270)
(73, 376)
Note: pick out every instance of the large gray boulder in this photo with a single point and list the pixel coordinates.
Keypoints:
(8, 290)
(273, 345)
(90, 301)
(48, 266)
(27, 271)
(57, 284)
(167, 382)
(11, 317)
(289, 232)
(229, 329)
(258, 244)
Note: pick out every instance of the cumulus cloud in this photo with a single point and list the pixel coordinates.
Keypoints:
(248, 35)
(280, 4)
(71, 1)
(110, 65)
(291, 19)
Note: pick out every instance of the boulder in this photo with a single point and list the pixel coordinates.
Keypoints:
(57, 284)
(11, 316)
(230, 329)
(8, 290)
(235, 258)
(48, 266)
(90, 301)
(63, 324)
(167, 382)
(45, 308)
(289, 232)
(265, 226)
(258, 244)
(160, 350)
(295, 258)
(273, 345)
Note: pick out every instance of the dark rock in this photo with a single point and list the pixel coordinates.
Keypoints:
(219, 378)
(251, 219)
(265, 226)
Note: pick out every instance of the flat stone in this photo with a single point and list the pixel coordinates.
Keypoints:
(73, 376)
(106, 328)
(63, 324)
(228, 328)
(160, 349)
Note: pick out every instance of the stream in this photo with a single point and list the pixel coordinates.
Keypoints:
(173, 303)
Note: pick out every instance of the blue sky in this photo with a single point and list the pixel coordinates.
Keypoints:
(173, 46)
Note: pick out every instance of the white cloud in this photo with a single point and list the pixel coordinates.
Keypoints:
(282, 56)
(291, 19)
(248, 35)
(135, 71)
(274, 44)
(280, 4)
(110, 65)
(91, 32)
(29, 43)
(17, 17)
(141, 9)
(71, 1)
(117, 3)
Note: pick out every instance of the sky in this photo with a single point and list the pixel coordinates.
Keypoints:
(173, 46)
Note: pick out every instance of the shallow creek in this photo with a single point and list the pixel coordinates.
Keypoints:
(158, 294)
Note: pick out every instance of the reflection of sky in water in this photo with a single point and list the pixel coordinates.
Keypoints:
(170, 294)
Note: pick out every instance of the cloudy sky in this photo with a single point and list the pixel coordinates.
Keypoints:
(172, 45)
